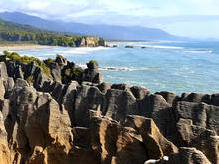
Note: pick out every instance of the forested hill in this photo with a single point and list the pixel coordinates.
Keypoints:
(9, 26)
(108, 32)
(13, 32)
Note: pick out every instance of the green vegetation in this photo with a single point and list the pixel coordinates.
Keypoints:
(9, 26)
(12, 32)
(49, 60)
(24, 60)
(68, 72)
(30, 80)
(46, 69)
(59, 56)
(41, 38)
(93, 61)
(77, 71)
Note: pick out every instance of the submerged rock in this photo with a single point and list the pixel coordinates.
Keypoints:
(128, 46)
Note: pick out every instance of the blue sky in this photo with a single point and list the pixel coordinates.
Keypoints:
(194, 18)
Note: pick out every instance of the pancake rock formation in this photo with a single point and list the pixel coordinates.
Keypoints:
(69, 115)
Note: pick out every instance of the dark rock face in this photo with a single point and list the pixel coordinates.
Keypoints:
(87, 98)
(139, 92)
(104, 87)
(188, 155)
(14, 70)
(55, 71)
(58, 70)
(92, 74)
(170, 98)
(88, 121)
(200, 114)
(118, 104)
(190, 135)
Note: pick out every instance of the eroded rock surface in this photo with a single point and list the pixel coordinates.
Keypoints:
(86, 121)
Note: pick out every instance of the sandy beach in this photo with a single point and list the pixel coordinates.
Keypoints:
(21, 47)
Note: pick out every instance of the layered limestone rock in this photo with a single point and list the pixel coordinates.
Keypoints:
(188, 155)
(84, 120)
(5, 155)
(92, 74)
(38, 130)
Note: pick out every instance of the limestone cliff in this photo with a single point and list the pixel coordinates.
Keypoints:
(92, 42)
(60, 118)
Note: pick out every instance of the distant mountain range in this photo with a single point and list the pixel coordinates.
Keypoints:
(10, 26)
(108, 32)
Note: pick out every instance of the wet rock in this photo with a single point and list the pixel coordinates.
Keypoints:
(128, 46)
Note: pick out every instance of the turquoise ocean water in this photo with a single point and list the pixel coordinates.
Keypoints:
(160, 66)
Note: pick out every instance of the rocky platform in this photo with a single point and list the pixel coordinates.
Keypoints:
(67, 117)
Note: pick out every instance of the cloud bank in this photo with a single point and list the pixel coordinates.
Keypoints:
(180, 17)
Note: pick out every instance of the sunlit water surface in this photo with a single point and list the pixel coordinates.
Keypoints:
(160, 66)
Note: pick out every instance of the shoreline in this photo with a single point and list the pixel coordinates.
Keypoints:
(21, 47)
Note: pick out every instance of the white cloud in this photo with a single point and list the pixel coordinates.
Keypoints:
(174, 16)
(38, 5)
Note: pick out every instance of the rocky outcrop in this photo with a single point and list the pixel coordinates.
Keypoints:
(43, 74)
(91, 42)
(155, 143)
(92, 74)
(40, 131)
(198, 127)
(84, 120)
(203, 139)
(5, 155)
(188, 155)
